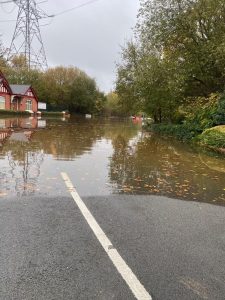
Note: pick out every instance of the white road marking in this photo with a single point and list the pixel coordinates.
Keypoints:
(125, 271)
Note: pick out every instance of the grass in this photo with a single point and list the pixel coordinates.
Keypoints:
(52, 113)
(12, 112)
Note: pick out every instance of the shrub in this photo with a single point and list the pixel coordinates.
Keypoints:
(178, 117)
(219, 115)
(182, 132)
(201, 114)
(214, 137)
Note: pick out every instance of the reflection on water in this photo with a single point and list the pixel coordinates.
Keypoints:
(104, 157)
(157, 166)
(25, 123)
(20, 166)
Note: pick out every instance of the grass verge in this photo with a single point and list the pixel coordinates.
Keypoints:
(14, 113)
(52, 113)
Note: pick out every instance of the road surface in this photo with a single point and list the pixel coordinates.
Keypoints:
(175, 249)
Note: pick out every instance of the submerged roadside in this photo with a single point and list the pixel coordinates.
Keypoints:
(212, 138)
(202, 122)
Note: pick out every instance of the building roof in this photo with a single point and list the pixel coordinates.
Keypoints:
(4, 82)
(19, 89)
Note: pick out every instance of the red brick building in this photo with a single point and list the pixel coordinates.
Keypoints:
(17, 97)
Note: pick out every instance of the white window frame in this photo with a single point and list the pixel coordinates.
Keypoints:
(29, 104)
(2, 102)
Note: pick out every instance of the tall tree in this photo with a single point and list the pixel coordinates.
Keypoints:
(181, 54)
(126, 84)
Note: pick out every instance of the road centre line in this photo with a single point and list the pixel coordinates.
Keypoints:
(124, 270)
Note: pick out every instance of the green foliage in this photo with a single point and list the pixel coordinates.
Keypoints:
(127, 85)
(219, 115)
(112, 105)
(178, 55)
(99, 104)
(62, 88)
(182, 132)
(178, 117)
(70, 89)
(201, 114)
(207, 112)
(214, 137)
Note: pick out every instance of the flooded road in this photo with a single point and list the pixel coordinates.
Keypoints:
(103, 157)
(127, 220)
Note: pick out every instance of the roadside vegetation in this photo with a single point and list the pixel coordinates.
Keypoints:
(6, 112)
(174, 68)
(51, 113)
(214, 137)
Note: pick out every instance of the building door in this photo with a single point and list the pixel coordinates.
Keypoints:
(15, 104)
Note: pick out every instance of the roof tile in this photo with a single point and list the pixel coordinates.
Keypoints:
(18, 89)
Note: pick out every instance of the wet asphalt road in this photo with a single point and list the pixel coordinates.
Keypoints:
(48, 251)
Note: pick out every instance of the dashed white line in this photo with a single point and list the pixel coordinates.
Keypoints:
(125, 271)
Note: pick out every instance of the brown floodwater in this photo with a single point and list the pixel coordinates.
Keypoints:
(103, 157)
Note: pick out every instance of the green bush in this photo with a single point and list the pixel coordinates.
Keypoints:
(178, 117)
(208, 112)
(201, 115)
(214, 137)
(182, 132)
(219, 115)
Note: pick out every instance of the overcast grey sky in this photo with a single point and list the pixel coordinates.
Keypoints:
(89, 37)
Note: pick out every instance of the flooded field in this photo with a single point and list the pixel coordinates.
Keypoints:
(103, 157)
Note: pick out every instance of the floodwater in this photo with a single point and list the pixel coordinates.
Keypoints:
(103, 157)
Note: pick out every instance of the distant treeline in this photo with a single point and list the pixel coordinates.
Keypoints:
(62, 88)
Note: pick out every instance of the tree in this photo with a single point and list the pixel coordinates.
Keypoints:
(190, 33)
(178, 54)
(70, 89)
(112, 105)
(126, 83)
(3, 63)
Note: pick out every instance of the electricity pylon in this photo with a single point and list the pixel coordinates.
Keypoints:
(27, 40)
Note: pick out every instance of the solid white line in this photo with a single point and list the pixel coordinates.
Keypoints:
(134, 284)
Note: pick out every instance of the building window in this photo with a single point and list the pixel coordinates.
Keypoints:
(29, 105)
(2, 102)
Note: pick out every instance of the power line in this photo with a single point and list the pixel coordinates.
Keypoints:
(4, 2)
(8, 12)
(74, 8)
(57, 14)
